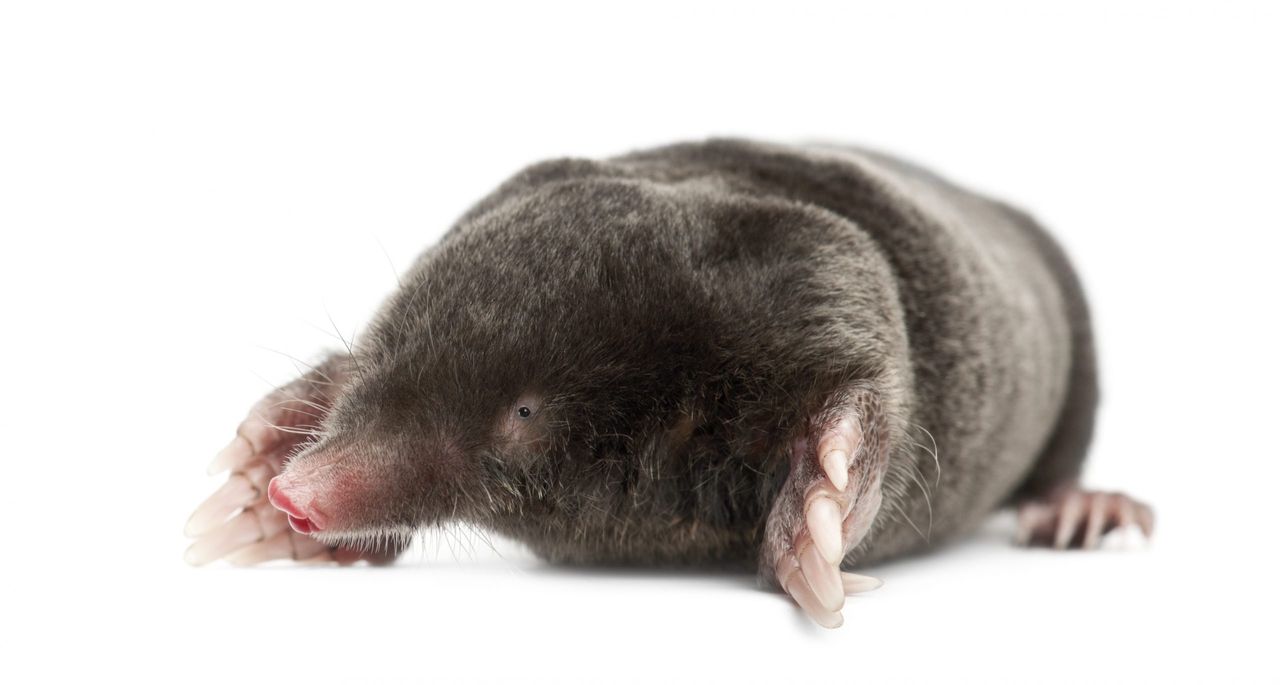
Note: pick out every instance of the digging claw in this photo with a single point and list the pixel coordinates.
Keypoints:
(237, 492)
(805, 597)
(854, 583)
(824, 578)
(244, 529)
(242, 489)
(824, 521)
(823, 511)
(235, 455)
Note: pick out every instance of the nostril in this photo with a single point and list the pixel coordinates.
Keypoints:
(276, 495)
(300, 519)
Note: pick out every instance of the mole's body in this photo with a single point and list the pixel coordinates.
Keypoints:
(723, 352)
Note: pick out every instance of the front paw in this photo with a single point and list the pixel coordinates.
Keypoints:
(824, 510)
(238, 522)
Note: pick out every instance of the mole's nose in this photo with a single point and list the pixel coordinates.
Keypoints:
(285, 496)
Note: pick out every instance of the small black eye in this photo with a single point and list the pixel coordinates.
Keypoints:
(524, 412)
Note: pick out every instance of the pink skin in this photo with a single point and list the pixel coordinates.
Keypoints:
(305, 520)
(322, 490)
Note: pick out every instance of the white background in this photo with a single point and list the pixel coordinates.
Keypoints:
(186, 189)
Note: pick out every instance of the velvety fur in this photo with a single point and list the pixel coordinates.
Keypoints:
(676, 317)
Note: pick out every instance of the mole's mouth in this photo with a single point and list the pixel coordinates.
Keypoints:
(302, 525)
(304, 519)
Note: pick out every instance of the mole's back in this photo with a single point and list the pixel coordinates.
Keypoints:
(994, 318)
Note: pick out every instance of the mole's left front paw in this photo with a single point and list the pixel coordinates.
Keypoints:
(824, 510)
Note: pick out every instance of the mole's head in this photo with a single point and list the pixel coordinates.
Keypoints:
(534, 346)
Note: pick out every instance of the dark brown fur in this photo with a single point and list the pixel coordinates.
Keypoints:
(681, 315)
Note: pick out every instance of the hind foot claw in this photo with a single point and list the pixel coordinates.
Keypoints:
(1078, 519)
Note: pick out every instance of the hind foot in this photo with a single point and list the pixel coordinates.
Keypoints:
(1078, 519)
(237, 522)
(824, 510)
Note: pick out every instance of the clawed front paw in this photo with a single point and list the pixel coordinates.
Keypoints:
(824, 510)
(238, 522)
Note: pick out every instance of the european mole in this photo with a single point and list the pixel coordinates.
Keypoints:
(726, 352)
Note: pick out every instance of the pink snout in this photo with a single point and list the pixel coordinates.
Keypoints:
(295, 501)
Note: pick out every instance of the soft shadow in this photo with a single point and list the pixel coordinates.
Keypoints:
(995, 536)
(729, 575)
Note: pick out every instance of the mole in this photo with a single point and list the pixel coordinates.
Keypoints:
(795, 359)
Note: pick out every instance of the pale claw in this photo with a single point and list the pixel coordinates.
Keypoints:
(235, 455)
(237, 492)
(827, 506)
(271, 519)
(1125, 521)
(854, 583)
(836, 465)
(1146, 519)
(280, 543)
(1097, 520)
(1068, 519)
(835, 452)
(258, 435)
(243, 530)
(823, 577)
(277, 425)
(278, 546)
(824, 522)
(804, 596)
